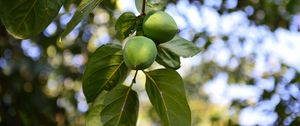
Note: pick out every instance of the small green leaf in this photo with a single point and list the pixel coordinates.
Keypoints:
(121, 107)
(93, 115)
(181, 47)
(166, 92)
(151, 5)
(27, 18)
(84, 8)
(167, 58)
(126, 24)
(105, 69)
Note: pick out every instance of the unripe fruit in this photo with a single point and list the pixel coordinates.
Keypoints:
(139, 52)
(159, 26)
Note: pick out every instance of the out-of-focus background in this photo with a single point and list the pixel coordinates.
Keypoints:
(248, 72)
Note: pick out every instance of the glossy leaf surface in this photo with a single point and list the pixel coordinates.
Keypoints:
(167, 58)
(83, 10)
(27, 18)
(105, 69)
(181, 47)
(167, 94)
(121, 107)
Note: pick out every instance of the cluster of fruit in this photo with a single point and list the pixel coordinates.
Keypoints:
(140, 51)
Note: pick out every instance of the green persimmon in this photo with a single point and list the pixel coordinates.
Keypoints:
(159, 26)
(139, 52)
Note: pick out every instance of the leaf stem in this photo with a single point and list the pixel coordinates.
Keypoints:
(143, 7)
(134, 78)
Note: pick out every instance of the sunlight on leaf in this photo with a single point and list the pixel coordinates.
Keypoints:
(105, 69)
(121, 107)
(167, 94)
(26, 18)
(84, 9)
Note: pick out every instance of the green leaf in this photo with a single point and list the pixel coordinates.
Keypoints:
(181, 47)
(166, 92)
(167, 58)
(105, 69)
(27, 18)
(121, 107)
(151, 5)
(93, 115)
(83, 10)
(126, 23)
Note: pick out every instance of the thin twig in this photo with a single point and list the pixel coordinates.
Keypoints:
(134, 78)
(143, 7)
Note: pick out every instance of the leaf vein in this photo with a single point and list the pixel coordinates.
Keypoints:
(123, 106)
(109, 78)
(26, 15)
(160, 93)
